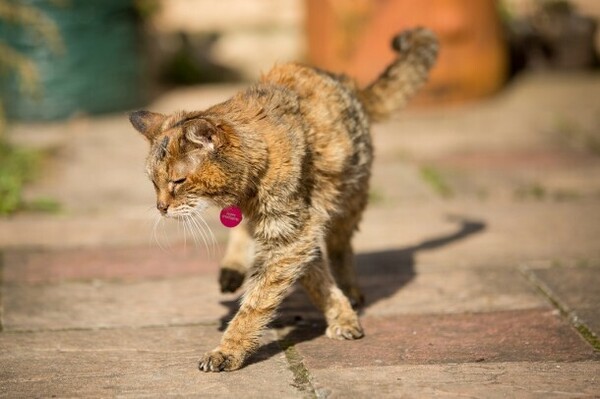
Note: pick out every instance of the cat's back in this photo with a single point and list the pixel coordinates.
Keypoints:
(336, 127)
(332, 97)
(337, 123)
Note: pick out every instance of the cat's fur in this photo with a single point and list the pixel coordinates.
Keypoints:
(294, 153)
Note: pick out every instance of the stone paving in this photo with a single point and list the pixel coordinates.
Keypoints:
(479, 257)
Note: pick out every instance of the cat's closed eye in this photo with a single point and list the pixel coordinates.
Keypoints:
(179, 181)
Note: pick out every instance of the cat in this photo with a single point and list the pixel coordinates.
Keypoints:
(294, 154)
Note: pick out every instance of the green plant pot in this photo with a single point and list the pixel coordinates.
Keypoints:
(95, 67)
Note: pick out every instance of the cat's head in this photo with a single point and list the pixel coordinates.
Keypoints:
(191, 161)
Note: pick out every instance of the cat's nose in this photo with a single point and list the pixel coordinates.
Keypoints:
(162, 207)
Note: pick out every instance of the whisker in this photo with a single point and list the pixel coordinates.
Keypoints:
(189, 222)
(155, 230)
(190, 226)
(184, 225)
(215, 247)
(201, 232)
(215, 244)
(194, 225)
(165, 232)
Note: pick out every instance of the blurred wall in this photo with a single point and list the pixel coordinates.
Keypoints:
(591, 7)
(255, 34)
(586, 7)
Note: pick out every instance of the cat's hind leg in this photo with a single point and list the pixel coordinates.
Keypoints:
(342, 320)
(341, 259)
(237, 259)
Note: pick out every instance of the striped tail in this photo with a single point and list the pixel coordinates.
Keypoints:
(417, 51)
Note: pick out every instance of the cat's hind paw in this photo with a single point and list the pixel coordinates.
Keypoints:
(345, 330)
(230, 279)
(355, 296)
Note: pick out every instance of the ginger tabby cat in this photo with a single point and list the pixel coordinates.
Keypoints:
(294, 153)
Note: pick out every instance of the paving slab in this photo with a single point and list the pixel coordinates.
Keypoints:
(472, 380)
(130, 362)
(535, 174)
(512, 233)
(574, 286)
(451, 291)
(520, 335)
(123, 264)
(392, 287)
(523, 116)
(101, 304)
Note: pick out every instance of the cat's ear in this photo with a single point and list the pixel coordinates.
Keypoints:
(145, 122)
(202, 133)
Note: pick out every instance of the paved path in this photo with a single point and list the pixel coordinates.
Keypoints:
(479, 257)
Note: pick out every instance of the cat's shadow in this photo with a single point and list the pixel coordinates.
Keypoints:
(381, 274)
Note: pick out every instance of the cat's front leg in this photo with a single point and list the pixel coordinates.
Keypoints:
(238, 256)
(275, 270)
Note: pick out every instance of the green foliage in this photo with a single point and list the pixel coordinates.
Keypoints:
(43, 204)
(14, 13)
(437, 182)
(376, 196)
(531, 191)
(534, 191)
(573, 133)
(146, 8)
(17, 166)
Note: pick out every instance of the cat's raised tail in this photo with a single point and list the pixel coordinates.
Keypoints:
(417, 51)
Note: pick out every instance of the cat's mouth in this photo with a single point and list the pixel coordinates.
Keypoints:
(184, 211)
(194, 227)
(178, 213)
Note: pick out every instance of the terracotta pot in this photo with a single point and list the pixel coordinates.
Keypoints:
(354, 37)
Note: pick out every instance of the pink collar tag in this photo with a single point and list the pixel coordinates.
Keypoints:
(231, 216)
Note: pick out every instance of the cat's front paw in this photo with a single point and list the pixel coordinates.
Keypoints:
(218, 360)
(345, 330)
(230, 279)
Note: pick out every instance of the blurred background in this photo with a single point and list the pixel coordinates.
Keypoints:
(479, 252)
(512, 97)
(67, 57)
